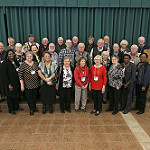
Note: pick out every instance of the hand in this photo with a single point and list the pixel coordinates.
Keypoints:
(89, 87)
(117, 87)
(56, 86)
(47, 80)
(143, 88)
(83, 87)
(49, 83)
(10, 87)
(22, 88)
(103, 90)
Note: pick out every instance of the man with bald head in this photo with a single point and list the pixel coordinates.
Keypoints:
(80, 53)
(54, 55)
(75, 41)
(60, 45)
(43, 47)
(107, 45)
(142, 46)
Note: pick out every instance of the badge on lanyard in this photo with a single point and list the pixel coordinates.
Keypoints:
(32, 72)
(95, 78)
(83, 79)
(2, 61)
(48, 70)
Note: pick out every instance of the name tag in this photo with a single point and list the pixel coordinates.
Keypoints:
(2, 61)
(131, 61)
(32, 72)
(17, 69)
(95, 78)
(83, 79)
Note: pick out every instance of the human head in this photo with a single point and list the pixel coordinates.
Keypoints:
(29, 56)
(91, 40)
(82, 61)
(46, 56)
(105, 55)
(11, 41)
(141, 40)
(51, 47)
(98, 59)
(81, 47)
(126, 58)
(60, 41)
(66, 61)
(106, 39)
(18, 47)
(45, 41)
(124, 44)
(75, 40)
(114, 59)
(143, 57)
(31, 38)
(34, 49)
(100, 43)
(10, 54)
(68, 43)
(116, 47)
(1, 47)
(134, 49)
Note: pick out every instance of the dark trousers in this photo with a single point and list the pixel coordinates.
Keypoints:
(65, 98)
(31, 95)
(12, 103)
(97, 96)
(140, 98)
(114, 96)
(126, 97)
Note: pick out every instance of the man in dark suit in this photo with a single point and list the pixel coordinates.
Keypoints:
(142, 46)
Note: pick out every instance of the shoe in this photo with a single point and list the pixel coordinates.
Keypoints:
(68, 110)
(93, 112)
(140, 112)
(114, 112)
(108, 110)
(121, 109)
(31, 112)
(125, 112)
(44, 110)
(13, 113)
(77, 111)
(97, 113)
(84, 110)
(62, 111)
(36, 110)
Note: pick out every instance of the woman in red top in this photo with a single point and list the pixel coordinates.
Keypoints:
(81, 75)
(98, 79)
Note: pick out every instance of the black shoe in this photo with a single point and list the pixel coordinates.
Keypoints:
(93, 112)
(51, 110)
(125, 112)
(31, 112)
(140, 112)
(108, 110)
(114, 112)
(97, 113)
(44, 110)
(13, 113)
(36, 110)
(62, 111)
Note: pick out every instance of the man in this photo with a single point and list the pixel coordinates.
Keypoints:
(97, 50)
(54, 55)
(107, 45)
(60, 45)
(75, 41)
(80, 53)
(90, 45)
(2, 58)
(27, 45)
(43, 47)
(68, 51)
(142, 46)
(11, 44)
(134, 54)
(117, 52)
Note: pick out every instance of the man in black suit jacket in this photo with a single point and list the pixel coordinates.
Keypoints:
(142, 46)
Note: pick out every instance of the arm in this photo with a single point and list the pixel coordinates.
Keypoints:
(60, 58)
(21, 76)
(146, 77)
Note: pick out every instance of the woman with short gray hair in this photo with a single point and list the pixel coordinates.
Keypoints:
(124, 44)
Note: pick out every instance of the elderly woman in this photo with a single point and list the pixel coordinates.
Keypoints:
(115, 78)
(47, 74)
(90, 44)
(34, 50)
(124, 44)
(29, 79)
(98, 80)
(19, 55)
(11, 81)
(142, 83)
(81, 75)
(106, 63)
(65, 81)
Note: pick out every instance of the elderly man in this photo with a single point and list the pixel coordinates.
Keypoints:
(117, 52)
(11, 43)
(75, 41)
(97, 50)
(142, 46)
(2, 58)
(107, 45)
(134, 54)
(80, 53)
(68, 51)
(54, 55)
(60, 45)
(28, 44)
(43, 47)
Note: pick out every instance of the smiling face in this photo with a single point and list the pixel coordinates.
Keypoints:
(51, 47)
(141, 40)
(11, 42)
(134, 49)
(34, 49)
(105, 57)
(75, 40)
(18, 49)
(31, 39)
(116, 48)
(68, 44)
(143, 58)
(60, 41)
(126, 59)
(82, 62)
(10, 55)
(106, 40)
(29, 57)
(81, 48)
(1, 47)
(67, 62)
(47, 57)
(100, 43)
(114, 60)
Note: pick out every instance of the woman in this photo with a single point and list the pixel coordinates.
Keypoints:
(98, 80)
(81, 76)
(142, 83)
(106, 63)
(128, 84)
(19, 56)
(46, 72)
(29, 79)
(34, 50)
(11, 81)
(115, 79)
(64, 84)
(124, 44)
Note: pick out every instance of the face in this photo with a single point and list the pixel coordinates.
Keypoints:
(114, 60)
(82, 63)
(116, 48)
(81, 48)
(29, 57)
(11, 55)
(60, 41)
(44, 41)
(143, 58)
(105, 57)
(134, 49)
(31, 39)
(97, 61)
(67, 62)
(106, 40)
(51, 47)
(124, 45)
(68, 43)
(141, 41)
(126, 59)
(34, 49)
(18, 49)
(47, 57)
(11, 42)
(100, 43)
(91, 41)
(75, 40)
(1, 47)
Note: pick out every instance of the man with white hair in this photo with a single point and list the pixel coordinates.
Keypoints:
(75, 41)
(43, 47)
(60, 45)
(11, 44)
(80, 53)
(107, 45)
(142, 46)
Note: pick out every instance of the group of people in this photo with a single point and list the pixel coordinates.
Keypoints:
(111, 72)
